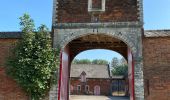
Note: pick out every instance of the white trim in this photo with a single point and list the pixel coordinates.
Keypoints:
(83, 78)
(90, 8)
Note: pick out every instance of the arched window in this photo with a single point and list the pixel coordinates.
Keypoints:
(83, 77)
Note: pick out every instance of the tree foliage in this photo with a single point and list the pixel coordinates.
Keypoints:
(119, 67)
(123, 61)
(87, 61)
(82, 61)
(99, 61)
(120, 70)
(114, 62)
(33, 61)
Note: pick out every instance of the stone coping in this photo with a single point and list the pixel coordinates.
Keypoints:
(97, 25)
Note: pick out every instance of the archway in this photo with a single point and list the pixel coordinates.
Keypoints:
(102, 68)
(78, 44)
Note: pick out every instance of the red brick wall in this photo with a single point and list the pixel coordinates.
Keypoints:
(5, 48)
(105, 85)
(116, 11)
(9, 90)
(156, 52)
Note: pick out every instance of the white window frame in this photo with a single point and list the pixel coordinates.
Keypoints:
(90, 6)
(83, 78)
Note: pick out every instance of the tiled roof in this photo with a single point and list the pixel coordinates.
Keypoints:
(92, 71)
(10, 35)
(157, 33)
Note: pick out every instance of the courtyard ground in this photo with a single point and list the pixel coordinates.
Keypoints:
(92, 97)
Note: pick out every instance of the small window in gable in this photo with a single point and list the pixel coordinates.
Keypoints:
(96, 5)
(83, 77)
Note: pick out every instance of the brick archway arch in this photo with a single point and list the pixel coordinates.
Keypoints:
(120, 36)
(130, 36)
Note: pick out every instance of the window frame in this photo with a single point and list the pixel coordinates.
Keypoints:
(83, 78)
(91, 9)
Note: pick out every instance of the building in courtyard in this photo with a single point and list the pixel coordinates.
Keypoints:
(90, 79)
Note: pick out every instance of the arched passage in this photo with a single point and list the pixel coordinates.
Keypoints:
(98, 66)
(93, 41)
(97, 42)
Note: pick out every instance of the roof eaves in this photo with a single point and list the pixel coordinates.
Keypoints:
(157, 33)
(10, 35)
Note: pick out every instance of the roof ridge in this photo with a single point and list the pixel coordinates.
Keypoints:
(157, 30)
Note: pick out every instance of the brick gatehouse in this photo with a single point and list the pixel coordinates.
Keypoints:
(80, 25)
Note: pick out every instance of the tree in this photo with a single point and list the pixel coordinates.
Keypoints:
(33, 61)
(75, 61)
(123, 61)
(120, 70)
(82, 61)
(114, 62)
(87, 61)
(99, 61)
(119, 67)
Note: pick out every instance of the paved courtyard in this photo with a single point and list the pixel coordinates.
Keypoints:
(90, 97)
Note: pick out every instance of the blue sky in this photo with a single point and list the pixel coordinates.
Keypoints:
(98, 54)
(156, 13)
(156, 16)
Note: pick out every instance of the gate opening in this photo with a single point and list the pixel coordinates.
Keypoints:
(98, 72)
(92, 41)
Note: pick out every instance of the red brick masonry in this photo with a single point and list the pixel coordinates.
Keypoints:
(9, 90)
(105, 86)
(156, 52)
(76, 11)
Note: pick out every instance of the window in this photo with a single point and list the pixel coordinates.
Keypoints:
(87, 88)
(83, 77)
(96, 5)
(78, 88)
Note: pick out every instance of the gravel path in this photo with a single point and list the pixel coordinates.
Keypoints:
(90, 97)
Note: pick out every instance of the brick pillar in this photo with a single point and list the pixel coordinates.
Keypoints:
(139, 85)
